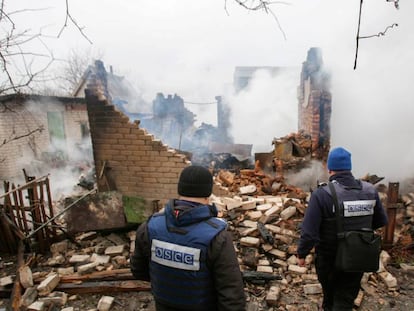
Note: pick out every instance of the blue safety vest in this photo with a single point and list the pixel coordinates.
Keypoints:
(179, 273)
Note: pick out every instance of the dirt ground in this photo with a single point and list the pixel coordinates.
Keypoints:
(402, 299)
(292, 297)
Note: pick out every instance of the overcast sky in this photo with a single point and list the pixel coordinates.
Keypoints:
(191, 47)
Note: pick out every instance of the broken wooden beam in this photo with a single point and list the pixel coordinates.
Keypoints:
(111, 275)
(104, 287)
(260, 277)
(17, 287)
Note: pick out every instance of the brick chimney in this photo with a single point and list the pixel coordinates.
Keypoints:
(314, 107)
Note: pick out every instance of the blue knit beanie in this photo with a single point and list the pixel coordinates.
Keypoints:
(339, 159)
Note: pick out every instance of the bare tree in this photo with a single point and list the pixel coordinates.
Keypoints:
(379, 34)
(21, 65)
(268, 7)
(15, 61)
(261, 5)
(71, 70)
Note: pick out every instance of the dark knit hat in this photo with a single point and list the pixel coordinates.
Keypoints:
(339, 159)
(195, 181)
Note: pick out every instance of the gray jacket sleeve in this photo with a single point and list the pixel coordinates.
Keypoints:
(226, 273)
(139, 259)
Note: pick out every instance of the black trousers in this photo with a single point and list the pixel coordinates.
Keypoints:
(339, 288)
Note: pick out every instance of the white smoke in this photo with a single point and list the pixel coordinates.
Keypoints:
(63, 160)
(266, 109)
(192, 50)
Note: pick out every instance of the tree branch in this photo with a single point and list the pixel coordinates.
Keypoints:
(257, 5)
(29, 133)
(69, 17)
(24, 67)
(358, 37)
(382, 33)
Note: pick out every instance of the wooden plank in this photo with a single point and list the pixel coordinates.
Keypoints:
(25, 186)
(36, 215)
(43, 214)
(122, 282)
(104, 287)
(23, 210)
(17, 208)
(116, 275)
(50, 204)
(17, 287)
(8, 207)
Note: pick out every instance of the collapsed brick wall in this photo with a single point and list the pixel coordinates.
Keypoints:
(133, 161)
(315, 103)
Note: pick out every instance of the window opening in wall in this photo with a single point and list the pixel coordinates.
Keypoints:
(84, 130)
(57, 134)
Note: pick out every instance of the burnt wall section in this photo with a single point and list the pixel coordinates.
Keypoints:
(38, 131)
(127, 158)
(171, 121)
(315, 103)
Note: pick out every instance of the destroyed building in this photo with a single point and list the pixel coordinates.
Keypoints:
(153, 161)
(117, 88)
(262, 210)
(167, 117)
(131, 160)
(171, 121)
(295, 151)
(38, 130)
(314, 108)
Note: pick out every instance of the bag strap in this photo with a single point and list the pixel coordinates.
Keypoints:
(339, 218)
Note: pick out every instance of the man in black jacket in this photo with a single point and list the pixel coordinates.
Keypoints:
(186, 252)
(319, 229)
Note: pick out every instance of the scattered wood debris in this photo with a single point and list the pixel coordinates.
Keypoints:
(264, 216)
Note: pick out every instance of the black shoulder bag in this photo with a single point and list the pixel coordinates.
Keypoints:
(357, 251)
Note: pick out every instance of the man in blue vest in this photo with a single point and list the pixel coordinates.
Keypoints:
(187, 253)
(319, 229)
